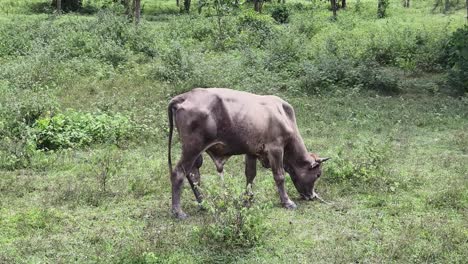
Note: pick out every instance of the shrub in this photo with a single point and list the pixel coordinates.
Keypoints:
(280, 14)
(109, 37)
(176, 65)
(285, 53)
(366, 165)
(19, 110)
(329, 73)
(457, 50)
(76, 129)
(255, 29)
(233, 225)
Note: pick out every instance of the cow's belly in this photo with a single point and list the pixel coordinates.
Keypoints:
(222, 149)
(226, 150)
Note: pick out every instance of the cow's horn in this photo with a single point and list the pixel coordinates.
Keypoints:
(320, 160)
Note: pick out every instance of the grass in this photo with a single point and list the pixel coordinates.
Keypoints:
(58, 212)
(397, 181)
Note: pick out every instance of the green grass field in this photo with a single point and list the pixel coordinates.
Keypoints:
(397, 184)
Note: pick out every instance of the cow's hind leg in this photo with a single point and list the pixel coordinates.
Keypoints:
(194, 179)
(182, 170)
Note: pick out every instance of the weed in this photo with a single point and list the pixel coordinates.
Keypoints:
(232, 224)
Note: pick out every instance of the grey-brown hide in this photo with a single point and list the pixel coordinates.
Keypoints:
(226, 122)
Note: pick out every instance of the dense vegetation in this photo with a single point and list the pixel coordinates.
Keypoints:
(83, 131)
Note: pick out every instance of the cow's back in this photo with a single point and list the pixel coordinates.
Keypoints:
(235, 117)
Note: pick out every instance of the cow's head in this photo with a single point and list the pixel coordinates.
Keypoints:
(305, 174)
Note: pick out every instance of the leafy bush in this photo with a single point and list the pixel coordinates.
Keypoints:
(76, 129)
(255, 29)
(233, 224)
(280, 14)
(285, 53)
(458, 60)
(19, 110)
(366, 165)
(108, 37)
(330, 73)
(176, 65)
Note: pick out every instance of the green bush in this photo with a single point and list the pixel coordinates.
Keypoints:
(233, 224)
(76, 129)
(285, 53)
(176, 65)
(280, 14)
(19, 110)
(329, 73)
(365, 165)
(457, 50)
(254, 29)
(109, 37)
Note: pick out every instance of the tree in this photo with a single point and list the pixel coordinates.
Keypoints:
(343, 3)
(137, 4)
(406, 3)
(382, 8)
(187, 5)
(333, 7)
(466, 11)
(258, 4)
(59, 6)
(67, 5)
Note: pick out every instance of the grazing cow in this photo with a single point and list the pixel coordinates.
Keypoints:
(226, 122)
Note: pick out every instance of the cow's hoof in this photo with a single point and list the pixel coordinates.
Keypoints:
(180, 215)
(290, 205)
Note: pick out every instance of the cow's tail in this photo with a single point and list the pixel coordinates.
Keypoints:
(170, 115)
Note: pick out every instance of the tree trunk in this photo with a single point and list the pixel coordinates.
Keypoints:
(187, 5)
(177, 2)
(137, 11)
(381, 8)
(59, 6)
(67, 5)
(467, 11)
(333, 6)
(258, 5)
(406, 3)
(343, 3)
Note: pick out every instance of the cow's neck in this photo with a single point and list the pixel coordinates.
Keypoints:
(296, 152)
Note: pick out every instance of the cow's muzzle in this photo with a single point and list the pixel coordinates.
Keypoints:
(312, 196)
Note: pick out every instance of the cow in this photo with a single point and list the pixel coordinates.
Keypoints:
(224, 122)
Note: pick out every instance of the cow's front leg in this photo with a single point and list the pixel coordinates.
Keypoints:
(276, 162)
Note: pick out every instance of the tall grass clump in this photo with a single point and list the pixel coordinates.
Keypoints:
(232, 223)
(367, 165)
